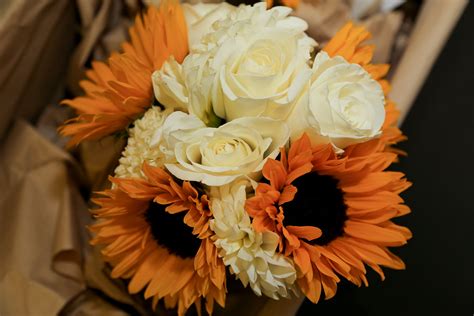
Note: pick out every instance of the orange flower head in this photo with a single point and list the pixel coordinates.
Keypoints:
(156, 232)
(118, 92)
(332, 213)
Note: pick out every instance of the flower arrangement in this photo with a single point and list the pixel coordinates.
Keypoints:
(252, 152)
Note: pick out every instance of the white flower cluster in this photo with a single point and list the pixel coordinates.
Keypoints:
(139, 148)
(248, 87)
(250, 255)
(255, 63)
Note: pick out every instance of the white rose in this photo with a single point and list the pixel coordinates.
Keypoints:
(217, 156)
(177, 127)
(200, 17)
(254, 63)
(169, 86)
(250, 255)
(343, 106)
(182, 88)
(258, 60)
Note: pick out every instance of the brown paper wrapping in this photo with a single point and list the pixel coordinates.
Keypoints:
(41, 240)
(104, 26)
(326, 17)
(46, 260)
(37, 38)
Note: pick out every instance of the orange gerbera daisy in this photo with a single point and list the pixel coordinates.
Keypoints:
(118, 92)
(333, 214)
(156, 232)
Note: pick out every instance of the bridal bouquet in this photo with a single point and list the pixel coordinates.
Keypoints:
(252, 153)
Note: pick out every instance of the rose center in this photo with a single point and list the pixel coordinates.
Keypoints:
(170, 231)
(320, 203)
(224, 148)
(224, 151)
(261, 60)
(355, 113)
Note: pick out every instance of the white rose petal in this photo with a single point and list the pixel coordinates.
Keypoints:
(343, 105)
(174, 129)
(169, 86)
(250, 255)
(217, 156)
(200, 17)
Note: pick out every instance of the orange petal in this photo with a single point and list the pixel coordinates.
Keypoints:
(329, 286)
(292, 240)
(275, 172)
(311, 288)
(374, 233)
(145, 271)
(306, 232)
(302, 260)
(288, 194)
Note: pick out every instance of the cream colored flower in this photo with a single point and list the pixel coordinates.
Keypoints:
(171, 89)
(178, 127)
(253, 63)
(343, 106)
(139, 148)
(250, 255)
(169, 86)
(259, 61)
(217, 156)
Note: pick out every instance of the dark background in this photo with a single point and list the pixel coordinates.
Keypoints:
(439, 279)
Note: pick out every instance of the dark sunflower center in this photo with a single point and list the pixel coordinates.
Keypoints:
(319, 202)
(171, 232)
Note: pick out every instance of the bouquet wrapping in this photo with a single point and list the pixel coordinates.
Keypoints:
(252, 153)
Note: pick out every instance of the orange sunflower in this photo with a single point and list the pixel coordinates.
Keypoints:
(156, 232)
(117, 92)
(333, 214)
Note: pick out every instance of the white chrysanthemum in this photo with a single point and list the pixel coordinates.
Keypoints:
(139, 148)
(250, 255)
